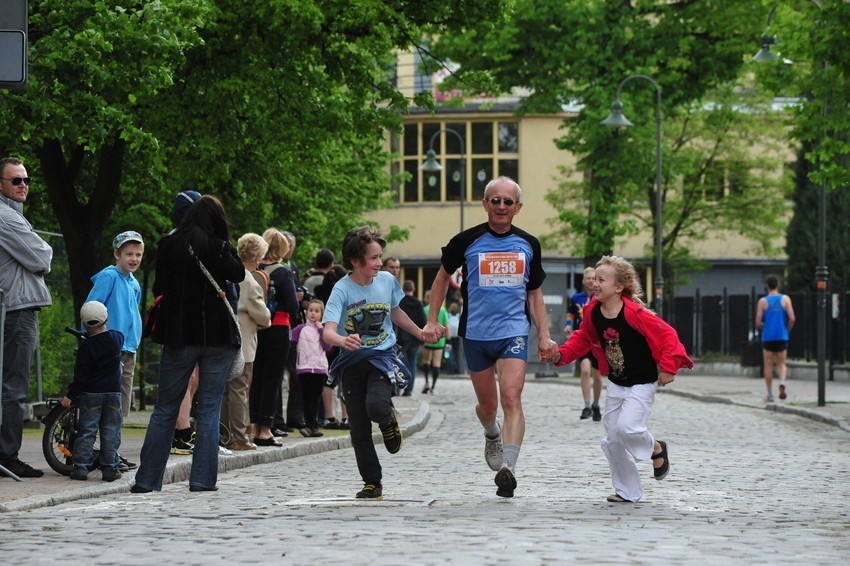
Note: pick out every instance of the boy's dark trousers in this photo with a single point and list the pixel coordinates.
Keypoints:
(368, 397)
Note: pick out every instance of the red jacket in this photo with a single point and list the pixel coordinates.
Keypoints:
(669, 354)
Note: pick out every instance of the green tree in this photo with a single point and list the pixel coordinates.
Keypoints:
(814, 66)
(572, 51)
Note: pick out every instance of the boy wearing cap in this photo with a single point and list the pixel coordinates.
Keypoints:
(117, 288)
(96, 389)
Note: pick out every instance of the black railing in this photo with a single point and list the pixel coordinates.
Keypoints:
(725, 324)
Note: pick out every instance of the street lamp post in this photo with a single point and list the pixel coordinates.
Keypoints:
(821, 269)
(617, 120)
(431, 165)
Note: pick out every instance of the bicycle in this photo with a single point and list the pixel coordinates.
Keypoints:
(60, 431)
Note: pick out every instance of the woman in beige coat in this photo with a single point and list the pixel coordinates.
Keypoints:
(253, 315)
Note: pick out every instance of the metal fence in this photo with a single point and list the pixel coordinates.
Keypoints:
(725, 325)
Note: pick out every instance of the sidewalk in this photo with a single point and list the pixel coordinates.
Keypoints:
(54, 488)
(414, 413)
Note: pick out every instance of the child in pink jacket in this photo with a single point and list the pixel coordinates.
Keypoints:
(311, 364)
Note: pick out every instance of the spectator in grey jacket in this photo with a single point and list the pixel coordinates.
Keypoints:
(24, 259)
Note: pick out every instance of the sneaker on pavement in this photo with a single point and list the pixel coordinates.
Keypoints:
(183, 447)
(316, 433)
(769, 398)
(222, 451)
(597, 414)
(782, 394)
(75, 475)
(493, 450)
(22, 470)
(370, 491)
(332, 425)
(586, 413)
(125, 462)
(505, 482)
(344, 425)
(393, 438)
(615, 498)
(107, 476)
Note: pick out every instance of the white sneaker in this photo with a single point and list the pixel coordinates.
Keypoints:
(222, 451)
(493, 450)
(769, 398)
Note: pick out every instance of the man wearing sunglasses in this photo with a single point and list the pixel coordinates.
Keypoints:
(502, 278)
(24, 259)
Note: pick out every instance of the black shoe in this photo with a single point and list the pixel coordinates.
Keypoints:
(78, 476)
(139, 489)
(344, 425)
(22, 470)
(505, 482)
(280, 432)
(426, 389)
(125, 463)
(116, 475)
(406, 394)
(586, 413)
(393, 438)
(370, 491)
(202, 488)
(597, 414)
(332, 425)
(316, 433)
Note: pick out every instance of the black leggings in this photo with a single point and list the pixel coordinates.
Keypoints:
(311, 391)
(272, 350)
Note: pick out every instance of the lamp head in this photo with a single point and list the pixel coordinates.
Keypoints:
(616, 118)
(431, 164)
(764, 55)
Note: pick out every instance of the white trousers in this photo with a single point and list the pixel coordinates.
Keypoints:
(627, 410)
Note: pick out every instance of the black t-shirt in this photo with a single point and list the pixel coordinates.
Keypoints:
(414, 309)
(629, 357)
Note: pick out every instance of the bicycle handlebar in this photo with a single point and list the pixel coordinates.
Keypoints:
(78, 333)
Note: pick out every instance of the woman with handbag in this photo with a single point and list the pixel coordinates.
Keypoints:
(195, 325)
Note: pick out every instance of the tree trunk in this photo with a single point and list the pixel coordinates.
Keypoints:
(82, 223)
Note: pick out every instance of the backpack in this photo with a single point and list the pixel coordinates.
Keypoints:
(263, 277)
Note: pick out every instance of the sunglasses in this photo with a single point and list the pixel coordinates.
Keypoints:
(18, 180)
(496, 201)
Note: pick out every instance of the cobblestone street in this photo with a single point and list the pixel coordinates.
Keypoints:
(746, 486)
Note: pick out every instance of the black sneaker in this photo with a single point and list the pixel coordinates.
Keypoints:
(344, 425)
(586, 413)
(280, 432)
(332, 425)
(393, 438)
(22, 470)
(505, 481)
(782, 394)
(125, 465)
(107, 476)
(597, 414)
(75, 475)
(370, 491)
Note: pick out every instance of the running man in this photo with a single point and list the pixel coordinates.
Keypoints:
(501, 271)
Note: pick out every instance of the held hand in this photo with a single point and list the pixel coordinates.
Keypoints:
(664, 378)
(432, 332)
(547, 350)
(352, 342)
(65, 402)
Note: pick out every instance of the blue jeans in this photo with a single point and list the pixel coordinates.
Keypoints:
(175, 367)
(98, 411)
(410, 355)
(20, 334)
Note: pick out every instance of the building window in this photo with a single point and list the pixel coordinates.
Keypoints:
(490, 149)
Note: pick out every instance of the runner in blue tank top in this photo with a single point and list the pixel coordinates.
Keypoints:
(502, 273)
(774, 318)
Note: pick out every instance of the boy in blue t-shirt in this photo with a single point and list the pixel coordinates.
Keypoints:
(359, 318)
(117, 288)
(97, 390)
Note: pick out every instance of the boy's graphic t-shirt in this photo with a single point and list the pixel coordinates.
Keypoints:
(365, 309)
(629, 358)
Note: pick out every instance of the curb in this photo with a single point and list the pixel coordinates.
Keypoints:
(178, 471)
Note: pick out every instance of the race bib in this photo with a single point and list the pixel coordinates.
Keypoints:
(501, 269)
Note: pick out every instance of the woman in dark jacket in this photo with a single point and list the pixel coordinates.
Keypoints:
(195, 327)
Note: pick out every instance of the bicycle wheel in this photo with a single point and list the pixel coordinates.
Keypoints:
(59, 429)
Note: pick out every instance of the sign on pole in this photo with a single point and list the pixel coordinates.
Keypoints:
(13, 44)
